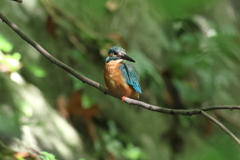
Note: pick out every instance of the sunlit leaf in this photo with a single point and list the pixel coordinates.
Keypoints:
(5, 45)
(47, 156)
(134, 153)
(12, 62)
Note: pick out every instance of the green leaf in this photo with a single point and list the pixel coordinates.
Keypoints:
(11, 61)
(87, 102)
(47, 156)
(5, 45)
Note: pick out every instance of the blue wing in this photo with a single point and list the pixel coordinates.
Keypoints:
(131, 76)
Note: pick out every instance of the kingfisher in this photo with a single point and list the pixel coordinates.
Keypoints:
(121, 78)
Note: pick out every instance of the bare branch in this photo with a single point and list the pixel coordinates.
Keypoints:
(221, 126)
(50, 57)
(188, 112)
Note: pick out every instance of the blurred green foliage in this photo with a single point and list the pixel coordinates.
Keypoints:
(187, 56)
(47, 156)
(5, 45)
(10, 63)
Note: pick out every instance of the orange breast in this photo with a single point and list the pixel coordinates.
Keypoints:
(116, 83)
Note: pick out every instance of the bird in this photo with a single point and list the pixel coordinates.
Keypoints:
(121, 79)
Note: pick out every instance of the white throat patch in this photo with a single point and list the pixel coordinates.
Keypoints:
(120, 61)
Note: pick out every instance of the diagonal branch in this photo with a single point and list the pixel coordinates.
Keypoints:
(221, 126)
(50, 57)
(94, 84)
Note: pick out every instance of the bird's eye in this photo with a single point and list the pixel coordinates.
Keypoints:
(115, 53)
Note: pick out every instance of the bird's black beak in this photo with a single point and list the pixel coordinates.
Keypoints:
(126, 58)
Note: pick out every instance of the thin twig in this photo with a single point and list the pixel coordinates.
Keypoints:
(188, 112)
(228, 117)
(94, 84)
(221, 126)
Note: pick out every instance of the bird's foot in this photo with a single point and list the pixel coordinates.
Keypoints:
(123, 97)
